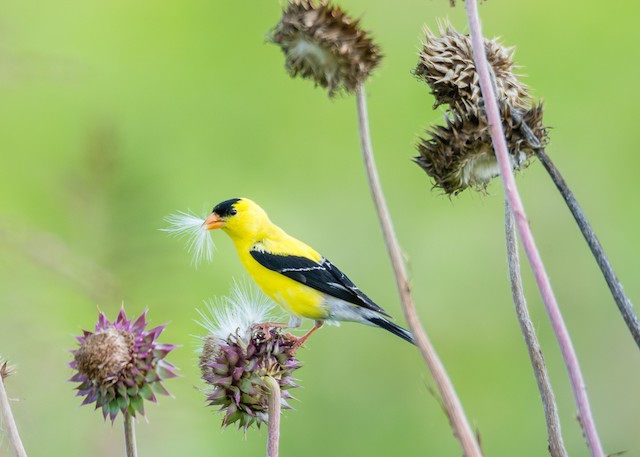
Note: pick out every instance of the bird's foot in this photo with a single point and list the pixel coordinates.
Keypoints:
(299, 341)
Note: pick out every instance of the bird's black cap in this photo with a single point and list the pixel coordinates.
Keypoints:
(225, 208)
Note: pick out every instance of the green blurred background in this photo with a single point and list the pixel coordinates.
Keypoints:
(114, 114)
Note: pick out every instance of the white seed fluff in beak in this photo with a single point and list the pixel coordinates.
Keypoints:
(198, 240)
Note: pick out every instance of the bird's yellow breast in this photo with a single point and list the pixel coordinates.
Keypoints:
(250, 229)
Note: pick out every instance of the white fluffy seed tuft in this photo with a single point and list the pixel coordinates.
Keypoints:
(198, 240)
(236, 313)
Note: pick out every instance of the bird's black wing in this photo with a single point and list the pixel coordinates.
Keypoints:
(324, 277)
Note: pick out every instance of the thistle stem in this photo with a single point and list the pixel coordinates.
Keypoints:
(273, 433)
(554, 432)
(621, 299)
(130, 436)
(511, 191)
(450, 400)
(10, 423)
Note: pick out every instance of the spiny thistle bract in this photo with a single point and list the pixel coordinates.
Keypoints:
(446, 65)
(237, 354)
(460, 154)
(322, 43)
(121, 364)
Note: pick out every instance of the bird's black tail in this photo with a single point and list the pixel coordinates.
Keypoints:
(391, 327)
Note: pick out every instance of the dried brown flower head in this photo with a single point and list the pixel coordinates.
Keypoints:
(446, 65)
(321, 43)
(104, 354)
(460, 154)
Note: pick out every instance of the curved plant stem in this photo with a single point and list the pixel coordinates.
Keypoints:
(450, 400)
(273, 435)
(621, 299)
(10, 423)
(511, 191)
(130, 436)
(554, 432)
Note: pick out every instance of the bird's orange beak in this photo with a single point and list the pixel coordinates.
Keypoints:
(213, 222)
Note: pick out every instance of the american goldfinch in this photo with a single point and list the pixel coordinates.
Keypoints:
(293, 274)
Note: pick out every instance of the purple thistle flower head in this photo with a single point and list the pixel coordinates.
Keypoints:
(238, 352)
(121, 364)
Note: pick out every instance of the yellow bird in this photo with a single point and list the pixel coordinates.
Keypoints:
(293, 274)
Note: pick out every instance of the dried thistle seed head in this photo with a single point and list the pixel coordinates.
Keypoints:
(105, 354)
(210, 348)
(460, 154)
(446, 65)
(237, 355)
(321, 43)
(121, 364)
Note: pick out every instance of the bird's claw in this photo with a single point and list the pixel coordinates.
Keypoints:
(299, 341)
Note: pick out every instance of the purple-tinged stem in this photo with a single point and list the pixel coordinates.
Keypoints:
(273, 433)
(511, 192)
(554, 432)
(10, 423)
(130, 436)
(450, 400)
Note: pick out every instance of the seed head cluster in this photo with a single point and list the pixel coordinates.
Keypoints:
(460, 153)
(446, 65)
(322, 43)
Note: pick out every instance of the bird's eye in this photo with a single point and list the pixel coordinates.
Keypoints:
(233, 211)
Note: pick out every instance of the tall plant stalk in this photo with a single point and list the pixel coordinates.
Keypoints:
(273, 432)
(511, 192)
(9, 423)
(450, 400)
(130, 436)
(554, 431)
